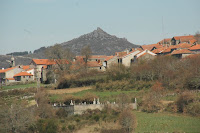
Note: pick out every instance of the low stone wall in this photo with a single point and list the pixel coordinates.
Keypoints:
(79, 109)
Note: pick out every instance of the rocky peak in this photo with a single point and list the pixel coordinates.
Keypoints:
(98, 33)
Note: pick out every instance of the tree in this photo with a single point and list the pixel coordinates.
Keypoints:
(16, 118)
(86, 52)
(197, 37)
(44, 110)
(63, 60)
(127, 120)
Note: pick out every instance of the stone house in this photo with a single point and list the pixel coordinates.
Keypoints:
(6, 75)
(109, 61)
(144, 55)
(128, 59)
(38, 65)
(195, 48)
(23, 77)
(181, 53)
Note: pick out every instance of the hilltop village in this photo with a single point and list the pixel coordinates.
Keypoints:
(177, 46)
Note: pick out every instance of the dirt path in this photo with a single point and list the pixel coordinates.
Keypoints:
(70, 90)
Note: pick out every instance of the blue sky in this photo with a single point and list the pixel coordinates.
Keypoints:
(26, 25)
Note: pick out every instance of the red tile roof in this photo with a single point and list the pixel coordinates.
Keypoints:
(120, 54)
(22, 74)
(159, 50)
(193, 41)
(108, 58)
(93, 64)
(195, 47)
(97, 57)
(168, 40)
(184, 38)
(10, 78)
(26, 67)
(5, 70)
(182, 51)
(150, 47)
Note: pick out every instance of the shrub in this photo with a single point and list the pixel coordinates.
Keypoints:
(151, 103)
(193, 109)
(184, 99)
(47, 126)
(61, 113)
(71, 127)
(127, 121)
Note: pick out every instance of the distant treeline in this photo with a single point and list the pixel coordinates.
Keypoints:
(18, 53)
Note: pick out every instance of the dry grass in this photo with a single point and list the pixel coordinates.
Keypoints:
(71, 90)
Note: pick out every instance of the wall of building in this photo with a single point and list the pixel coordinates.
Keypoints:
(11, 73)
(26, 78)
(146, 57)
(127, 59)
(112, 61)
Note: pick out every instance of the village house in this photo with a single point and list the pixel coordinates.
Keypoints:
(109, 61)
(181, 53)
(195, 48)
(6, 75)
(128, 58)
(23, 77)
(144, 55)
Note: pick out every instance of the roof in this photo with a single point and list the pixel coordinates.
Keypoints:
(159, 50)
(195, 47)
(97, 57)
(93, 64)
(44, 61)
(182, 51)
(151, 46)
(108, 58)
(168, 40)
(5, 70)
(22, 74)
(10, 78)
(120, 54)
(184, 38)
(193, 41)
(144, 53)
(26, 67)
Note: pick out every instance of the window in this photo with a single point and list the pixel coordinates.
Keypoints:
(29, 76)
(23, 76)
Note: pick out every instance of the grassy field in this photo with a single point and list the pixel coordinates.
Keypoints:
(166, 122)
(20, 86)
(104, 96)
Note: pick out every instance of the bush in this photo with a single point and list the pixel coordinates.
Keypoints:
(127, 120)
(71, 127)
(61, 113)
(184, 99)
(151, 103)
(193, 109)
(47, 126)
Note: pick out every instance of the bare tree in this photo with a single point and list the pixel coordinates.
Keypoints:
(62, 57)
(16, 118)
(86, 52)
(44, 110)
(197, 37)
(127, 120)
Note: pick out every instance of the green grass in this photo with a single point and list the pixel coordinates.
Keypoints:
(165, 122)
(21, 86)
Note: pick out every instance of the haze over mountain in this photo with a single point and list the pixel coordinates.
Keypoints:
(101, 43)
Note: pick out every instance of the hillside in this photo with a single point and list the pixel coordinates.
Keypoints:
(101, 43)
